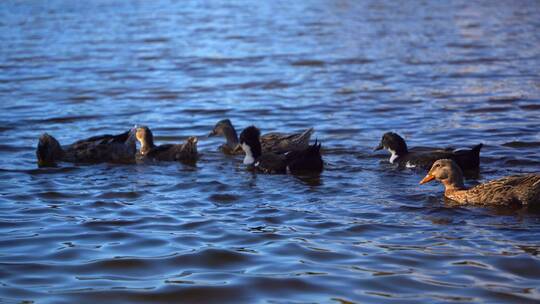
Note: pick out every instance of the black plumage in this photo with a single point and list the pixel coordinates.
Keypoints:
(308, 160)
(118, 148)
(467, 159)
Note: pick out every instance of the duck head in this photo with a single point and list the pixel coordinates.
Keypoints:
(145, 138)
(250, 143)
(394, 143)
(48, 151)
(447, 172)
(191, 145)
(222, 127)
(225, 128)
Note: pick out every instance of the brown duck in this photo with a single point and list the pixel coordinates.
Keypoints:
(168, 152)
(120, 148)
(270, 142)
(523, 190)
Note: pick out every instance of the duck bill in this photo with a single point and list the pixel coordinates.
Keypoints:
(427, 179)
(379, 147)
(213, 133)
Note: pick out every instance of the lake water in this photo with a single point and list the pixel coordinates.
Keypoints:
(440, 73)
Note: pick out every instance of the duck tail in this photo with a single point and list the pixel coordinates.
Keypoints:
(531, 194)
(127, 137)
(48, 150)
(468, 159)
(307, 160)
(476, 154)
(305, 136)
(315, 149)
(476, 149)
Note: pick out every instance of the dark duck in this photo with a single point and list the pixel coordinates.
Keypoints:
(467, 159)
(270, 142)
(120, 148)
(308, 160)
(186, 152)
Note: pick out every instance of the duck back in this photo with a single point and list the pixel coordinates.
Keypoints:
(307, 160)
(282, 143)
(466, 159)
(172, 152)
(271, 163)
(103, 148)
(523, 190)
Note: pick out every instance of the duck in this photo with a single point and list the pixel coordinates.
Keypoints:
(270, 142)
(521, 190)
(308, 160)
(119, 148)
(168, 152)
(467, 159)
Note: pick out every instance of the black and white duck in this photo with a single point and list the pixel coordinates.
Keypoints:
(168, 152)
(308, 160)
(120, 148)
(270, 142)
(467, 159)
(521, 190)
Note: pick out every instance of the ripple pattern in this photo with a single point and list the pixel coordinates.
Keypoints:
(440, 73)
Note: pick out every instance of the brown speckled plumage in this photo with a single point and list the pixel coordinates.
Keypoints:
(507, 191)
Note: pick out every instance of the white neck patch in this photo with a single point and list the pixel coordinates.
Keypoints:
(248, 159)
(394, 155)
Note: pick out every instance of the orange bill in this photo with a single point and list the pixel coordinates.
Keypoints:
(427, 179)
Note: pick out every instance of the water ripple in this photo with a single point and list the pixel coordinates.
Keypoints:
(449, 74)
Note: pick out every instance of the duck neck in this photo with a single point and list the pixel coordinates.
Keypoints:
(147, 144)
(393, 156)
(253, 151)
(397, 152)
(402, 149)
(231, 136)
(190, 147)
(453, 183)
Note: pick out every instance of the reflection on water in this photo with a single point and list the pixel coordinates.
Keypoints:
(438, 73)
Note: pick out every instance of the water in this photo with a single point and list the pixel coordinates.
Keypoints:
(438, 73)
